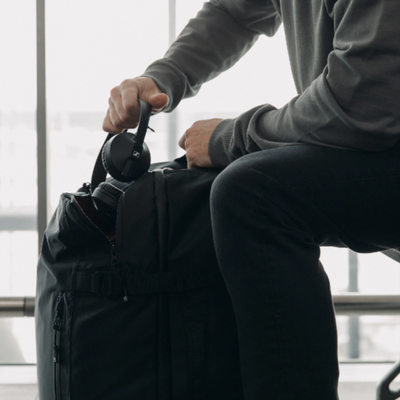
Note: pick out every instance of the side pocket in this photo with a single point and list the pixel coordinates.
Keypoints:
(57, 328)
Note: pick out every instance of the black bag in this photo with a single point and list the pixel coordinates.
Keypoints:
(138, 310)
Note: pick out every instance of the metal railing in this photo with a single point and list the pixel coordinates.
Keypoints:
(352, 303)
(11, 307)
(345, 304)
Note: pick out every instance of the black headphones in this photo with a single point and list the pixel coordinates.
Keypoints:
(126, 158)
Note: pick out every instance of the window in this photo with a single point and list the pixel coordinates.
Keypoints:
(91, 46)
(18, 191)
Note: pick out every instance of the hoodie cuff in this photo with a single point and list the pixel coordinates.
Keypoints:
(169, 79)
(220, 143)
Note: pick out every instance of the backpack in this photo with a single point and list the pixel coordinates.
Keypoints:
(135, 307)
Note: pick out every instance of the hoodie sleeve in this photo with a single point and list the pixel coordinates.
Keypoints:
(222, 32)
(353, 104)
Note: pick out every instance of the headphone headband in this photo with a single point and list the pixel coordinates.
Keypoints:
(99, 172)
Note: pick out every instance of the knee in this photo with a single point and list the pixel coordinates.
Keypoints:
(255, 184)
(239, 186)
(227, 185)
(226, 197)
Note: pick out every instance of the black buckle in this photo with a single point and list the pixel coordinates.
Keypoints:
(108, 284)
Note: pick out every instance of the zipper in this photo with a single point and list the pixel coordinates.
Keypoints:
(163, 340)
(118, 269)
(84, 218)
(57, 326)
(161, 207)
(114, 260)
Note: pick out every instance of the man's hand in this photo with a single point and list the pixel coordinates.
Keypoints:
(124, 110)
(195, 142)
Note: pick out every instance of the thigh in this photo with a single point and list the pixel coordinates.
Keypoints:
(347, 198)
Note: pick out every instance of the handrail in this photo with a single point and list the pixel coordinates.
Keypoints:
(11, 307)
(345, 304)
(354, 303)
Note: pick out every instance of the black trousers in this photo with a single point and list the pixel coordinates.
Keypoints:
(271, 212)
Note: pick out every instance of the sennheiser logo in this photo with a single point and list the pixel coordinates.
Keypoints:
(136, 154)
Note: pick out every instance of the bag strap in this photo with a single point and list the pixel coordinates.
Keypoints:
(99, 173)
(107, 283)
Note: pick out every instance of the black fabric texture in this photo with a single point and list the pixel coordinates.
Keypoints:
(145, 313)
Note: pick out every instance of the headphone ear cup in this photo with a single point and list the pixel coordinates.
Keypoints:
(106, 198)
(122, 161)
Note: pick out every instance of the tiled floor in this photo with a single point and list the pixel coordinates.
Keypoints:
(352, 385)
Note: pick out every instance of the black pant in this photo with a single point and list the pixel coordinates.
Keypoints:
(271, 212)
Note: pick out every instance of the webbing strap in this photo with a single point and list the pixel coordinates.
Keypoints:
(195, 317)
(108, 283)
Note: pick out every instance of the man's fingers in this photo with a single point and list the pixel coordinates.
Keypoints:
(107, 124)
(182, 142)
(131, 89)
(120, 118)
(126, 106)
(112, 122)
(124, 109)
(196, 141)
(189, 164)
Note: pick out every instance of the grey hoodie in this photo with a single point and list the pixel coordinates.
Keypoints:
(345, 60)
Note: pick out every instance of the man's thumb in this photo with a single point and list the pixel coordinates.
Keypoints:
(158, 101)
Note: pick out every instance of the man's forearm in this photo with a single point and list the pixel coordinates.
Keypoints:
(210, 44)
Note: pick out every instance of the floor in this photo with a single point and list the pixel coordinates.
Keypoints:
(348, 391)
(351, 387)
(18, 392)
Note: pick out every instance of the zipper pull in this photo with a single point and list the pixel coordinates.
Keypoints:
(85, 188)
(56, 353)
(114, 257)
(57, 328)
(59, 315)
(125, 298)
(114, 263)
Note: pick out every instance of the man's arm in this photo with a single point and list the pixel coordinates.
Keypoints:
(353, 104)
(222, 32)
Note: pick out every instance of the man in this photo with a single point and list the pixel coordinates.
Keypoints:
(322, 170)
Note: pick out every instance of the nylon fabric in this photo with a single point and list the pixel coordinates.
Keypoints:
(175, 336)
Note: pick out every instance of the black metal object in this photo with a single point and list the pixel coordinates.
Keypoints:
(383, 391)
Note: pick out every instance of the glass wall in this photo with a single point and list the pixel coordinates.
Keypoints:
(92, 46)
(18, 192)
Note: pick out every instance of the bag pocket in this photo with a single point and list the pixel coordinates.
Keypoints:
(57, 326)
(60, 348)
